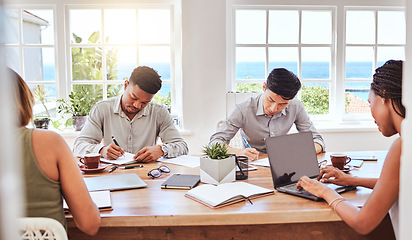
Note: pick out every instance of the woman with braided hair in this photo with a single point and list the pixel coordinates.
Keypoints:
(387, 110)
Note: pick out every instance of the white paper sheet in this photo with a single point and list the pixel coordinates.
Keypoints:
(127, 158)
(184, 160)
(264, 162)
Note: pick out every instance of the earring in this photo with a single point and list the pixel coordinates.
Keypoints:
(383, 101)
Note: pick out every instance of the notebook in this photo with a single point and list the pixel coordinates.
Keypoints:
(114, 182)
(291, 157)
(227, 193)
(181, 181)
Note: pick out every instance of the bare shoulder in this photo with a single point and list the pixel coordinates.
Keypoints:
(47, 137)
(394, 154)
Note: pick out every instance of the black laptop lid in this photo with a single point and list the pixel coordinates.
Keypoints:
(291, 157)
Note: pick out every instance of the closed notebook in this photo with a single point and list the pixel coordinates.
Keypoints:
(114, 182)
(181, 181)
(102, 199)
(226, 193)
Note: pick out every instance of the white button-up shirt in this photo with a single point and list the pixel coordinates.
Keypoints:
(107, 119)
(256, 125)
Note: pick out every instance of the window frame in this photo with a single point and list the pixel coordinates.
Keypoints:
(336, 115)
(104, 45)
(21, 46)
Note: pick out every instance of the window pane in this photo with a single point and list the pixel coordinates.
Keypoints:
(391, 27)
(164, 95)
(316, 62)
(45, 100)
(249, 87)
(93, 91)
(315, 97)
(359, 62)
(360, 27)
(38, 26)
(11, 26)
(87, 63)
(154, 26)
(356, 96)
(250, 26)
(388, 53)
(86, 25)
(114, 90)
(39, 64)
(317, 27)
(13, 59)
(120, 26)
(157, 58)
(283, 26)
(286, 57)
(250, 63)
(120, 62)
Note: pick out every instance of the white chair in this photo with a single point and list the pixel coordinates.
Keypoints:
(40, 228)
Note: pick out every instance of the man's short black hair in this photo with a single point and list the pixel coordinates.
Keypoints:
(284, 83)
(147, 79)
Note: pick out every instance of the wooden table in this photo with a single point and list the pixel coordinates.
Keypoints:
(155, 213)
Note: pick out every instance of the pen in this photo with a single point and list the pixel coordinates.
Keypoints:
(115, 142)
(113, 168)
(131, 166)
(247, 144)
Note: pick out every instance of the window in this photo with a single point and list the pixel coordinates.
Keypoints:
(298, 39)
(372, 38)
(30, 51)
(106, 44)
(334, 58)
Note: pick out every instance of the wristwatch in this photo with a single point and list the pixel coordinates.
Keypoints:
(164, 149)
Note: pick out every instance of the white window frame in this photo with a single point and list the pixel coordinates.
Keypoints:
(21, 45)
(336, 114)
(62, 49)
(106, 46)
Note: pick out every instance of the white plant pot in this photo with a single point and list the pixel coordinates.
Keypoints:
(217, 171)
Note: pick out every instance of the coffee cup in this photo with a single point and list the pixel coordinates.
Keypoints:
(242, 163)
(339, 160)
(91, 160)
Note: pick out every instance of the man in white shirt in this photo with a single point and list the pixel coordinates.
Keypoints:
(269, 114)
(134, 120)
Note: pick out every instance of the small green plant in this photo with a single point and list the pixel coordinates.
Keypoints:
(79, 103)
(216, 151)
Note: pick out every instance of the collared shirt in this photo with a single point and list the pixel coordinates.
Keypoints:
(250, 117)
(107, 119)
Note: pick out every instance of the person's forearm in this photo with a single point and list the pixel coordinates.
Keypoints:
(363, 182)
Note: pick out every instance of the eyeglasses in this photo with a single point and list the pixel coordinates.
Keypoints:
(322, 163)
(157, 172)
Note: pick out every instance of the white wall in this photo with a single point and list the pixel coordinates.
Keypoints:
(204, 69)
(405, 195)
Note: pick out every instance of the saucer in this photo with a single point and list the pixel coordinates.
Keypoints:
(93, 170)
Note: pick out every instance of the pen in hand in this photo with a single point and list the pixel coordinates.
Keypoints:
(247, 144)
(117, 144)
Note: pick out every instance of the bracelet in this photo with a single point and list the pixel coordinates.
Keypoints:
(330, 204)
(341, 200)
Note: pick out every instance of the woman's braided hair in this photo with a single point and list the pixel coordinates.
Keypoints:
(387, 83)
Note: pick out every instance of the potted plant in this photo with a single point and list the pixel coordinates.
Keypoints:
(40, 93)
(78, 105)
(217, 166)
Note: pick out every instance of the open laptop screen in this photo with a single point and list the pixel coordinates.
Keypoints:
(291, 157)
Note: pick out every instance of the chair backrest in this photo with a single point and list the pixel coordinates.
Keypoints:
(40, 228)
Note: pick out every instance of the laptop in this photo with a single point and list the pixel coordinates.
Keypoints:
(291, 157)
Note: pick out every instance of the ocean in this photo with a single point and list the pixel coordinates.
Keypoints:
(254, 70)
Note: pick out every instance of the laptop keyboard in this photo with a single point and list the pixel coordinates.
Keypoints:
(292, 188)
